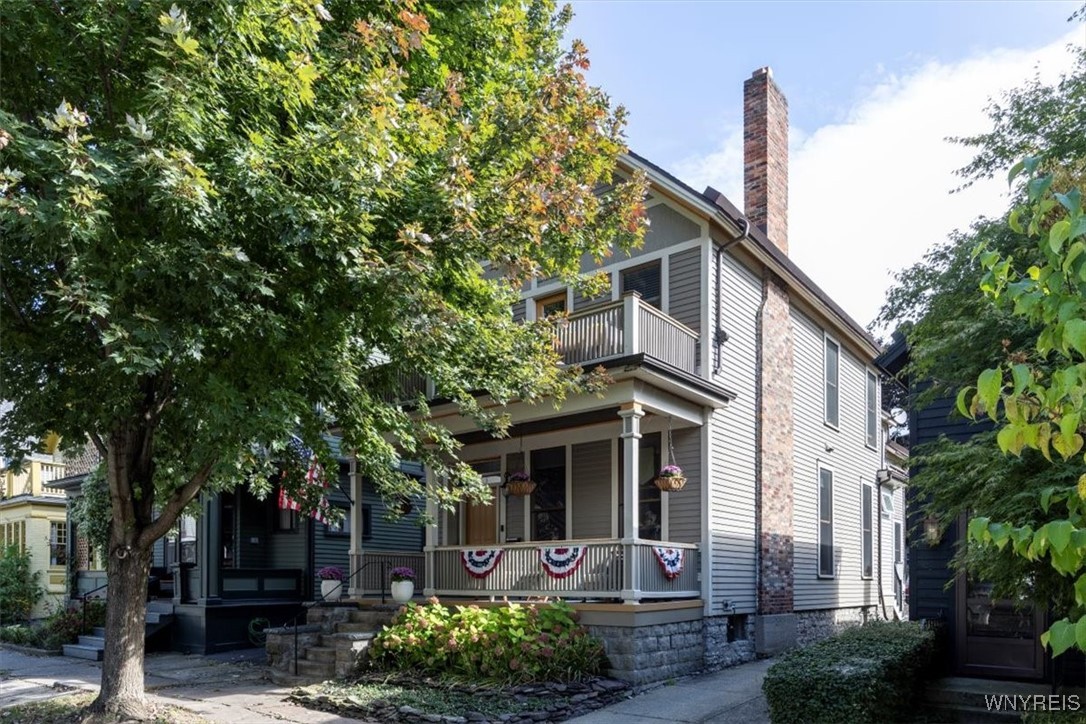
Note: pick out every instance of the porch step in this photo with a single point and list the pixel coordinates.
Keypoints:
(351, 627)
(94, 641)
(317, 670)
(159, 607)
(321, 653)
(155, 617)
(99, 631)
(79, 651)
(374, 618)
(966, 700)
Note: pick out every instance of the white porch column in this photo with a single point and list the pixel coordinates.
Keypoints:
(631, 415)
(356, 589)
(431, 532)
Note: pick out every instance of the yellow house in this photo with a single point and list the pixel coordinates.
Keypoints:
(33, 516)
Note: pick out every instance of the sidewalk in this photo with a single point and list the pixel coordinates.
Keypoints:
(730, 695)
(232, 688)
(228, 687)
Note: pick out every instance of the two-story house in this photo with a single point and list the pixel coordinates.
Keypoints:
(33, 517)
(728, 361)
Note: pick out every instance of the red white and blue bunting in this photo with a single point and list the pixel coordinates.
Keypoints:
(562, 562)
(481, 563)
(671, 560)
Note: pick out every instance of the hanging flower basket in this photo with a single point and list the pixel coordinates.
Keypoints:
(520, 484)
(670, 479)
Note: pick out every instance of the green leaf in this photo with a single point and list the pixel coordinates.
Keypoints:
(1000, 533)
(1022, 375)
(1058, 234)
(1059, 534)
(989, 385)
(1046, 498)
(962, 407)
(978, 530)
(1061, 636)
(1072, 200)
(1080, 590)
(1080, 633)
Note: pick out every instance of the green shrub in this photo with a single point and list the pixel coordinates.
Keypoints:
(871, 673)
(22, 587)
(21, 634)
(506, 644)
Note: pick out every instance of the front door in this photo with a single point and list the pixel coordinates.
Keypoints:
(481, 519)
(996, 637)
(481, 523)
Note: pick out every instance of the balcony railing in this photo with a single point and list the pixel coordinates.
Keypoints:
(375, 565)
(611, 569)
(627, 327)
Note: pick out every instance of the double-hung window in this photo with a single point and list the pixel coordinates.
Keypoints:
(866, 537)
(831, 363)
(825, 522)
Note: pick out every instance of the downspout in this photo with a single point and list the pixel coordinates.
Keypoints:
(882, 598)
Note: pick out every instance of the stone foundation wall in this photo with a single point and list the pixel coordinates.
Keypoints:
(649, 654)
(721, 653)
(812, 626)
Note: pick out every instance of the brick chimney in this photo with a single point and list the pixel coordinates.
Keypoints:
(765, 156)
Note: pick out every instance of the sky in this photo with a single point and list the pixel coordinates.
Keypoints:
(874, 90)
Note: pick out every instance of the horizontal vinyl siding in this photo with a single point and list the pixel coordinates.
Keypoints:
(732, 442)
(844, 452)
(591, 488)
(684, 289)
(404, 534)
(684, 506)
(331, 549)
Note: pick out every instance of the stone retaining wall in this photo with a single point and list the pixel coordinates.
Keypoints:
(812, 626)
(279, 645)
(652, 653)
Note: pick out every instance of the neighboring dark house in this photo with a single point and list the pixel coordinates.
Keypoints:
(242, 558)
(988, 637)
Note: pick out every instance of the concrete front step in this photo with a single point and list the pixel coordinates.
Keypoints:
(375, 619)
(93, 641)
(79, 651)
(317, 670)
(99, 631)
(321, 653)
(154, 617)
(159, 607)
(966, 700)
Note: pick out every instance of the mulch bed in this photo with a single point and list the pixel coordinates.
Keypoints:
(400, 698)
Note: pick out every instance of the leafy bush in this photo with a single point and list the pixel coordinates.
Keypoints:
(61, 627)
(22, 587)
(871, 673)
(507, 644)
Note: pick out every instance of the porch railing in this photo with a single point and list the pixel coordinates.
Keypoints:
(627, 327)
(603, 573)
(374, 577)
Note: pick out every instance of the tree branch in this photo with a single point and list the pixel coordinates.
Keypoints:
(96, 439)
(181, 497)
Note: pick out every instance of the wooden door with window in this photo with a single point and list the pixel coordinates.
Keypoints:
(551, 304)
(481, 519)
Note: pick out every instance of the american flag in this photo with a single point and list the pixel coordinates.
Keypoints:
(313, 476)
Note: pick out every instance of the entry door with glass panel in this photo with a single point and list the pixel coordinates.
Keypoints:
(996, 637)
(553, 304)
(481, 519)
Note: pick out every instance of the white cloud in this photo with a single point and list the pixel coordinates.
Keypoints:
(870, 194)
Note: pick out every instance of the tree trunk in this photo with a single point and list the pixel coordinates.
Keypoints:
(126, 612)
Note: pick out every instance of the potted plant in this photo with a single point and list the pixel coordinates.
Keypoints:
(520, 483)
(670, 478)
(331, 583)
(403, 584)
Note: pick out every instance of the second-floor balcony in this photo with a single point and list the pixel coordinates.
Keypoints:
(616, 330)
(627, 327)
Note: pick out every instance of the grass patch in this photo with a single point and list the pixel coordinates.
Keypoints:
(70, 709)
(429, 699)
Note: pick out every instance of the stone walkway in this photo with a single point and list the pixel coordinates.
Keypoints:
(233, 688)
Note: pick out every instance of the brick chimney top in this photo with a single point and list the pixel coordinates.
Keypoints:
(765, 156)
